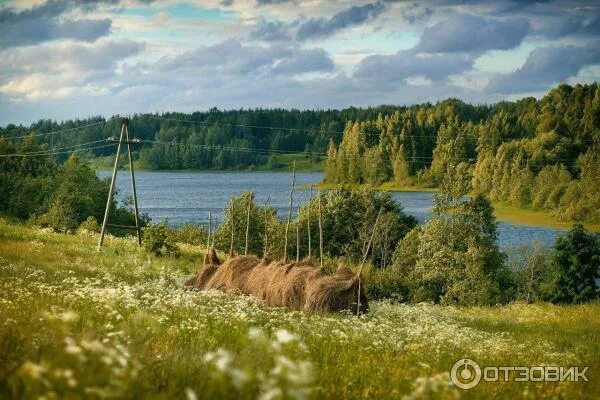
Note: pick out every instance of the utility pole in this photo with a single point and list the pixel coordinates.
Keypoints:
(123, 139)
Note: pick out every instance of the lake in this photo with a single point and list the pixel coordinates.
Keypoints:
(189, 197)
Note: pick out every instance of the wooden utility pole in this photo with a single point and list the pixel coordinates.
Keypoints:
(123, 139)
(289, 217)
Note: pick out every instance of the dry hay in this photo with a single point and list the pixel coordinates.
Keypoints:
(209, 267)
(297, 285)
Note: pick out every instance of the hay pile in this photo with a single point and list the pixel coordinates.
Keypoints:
(210, 266)
(297, 285)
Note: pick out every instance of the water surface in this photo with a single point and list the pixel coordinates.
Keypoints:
(189, 196)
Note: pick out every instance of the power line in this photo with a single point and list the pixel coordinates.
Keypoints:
(52, 150)
(275, 128)
(229, 148)
(63, 130)
(50, 153)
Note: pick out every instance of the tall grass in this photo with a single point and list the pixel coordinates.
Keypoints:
(76, 323)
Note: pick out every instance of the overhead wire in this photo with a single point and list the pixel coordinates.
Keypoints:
(63, 130)
(50, 152)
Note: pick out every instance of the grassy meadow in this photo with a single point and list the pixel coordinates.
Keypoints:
(76, 323)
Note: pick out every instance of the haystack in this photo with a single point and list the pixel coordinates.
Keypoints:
(296, 285)
(209, 267)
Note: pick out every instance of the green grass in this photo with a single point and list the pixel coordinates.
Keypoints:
(81, 324)
(527, 216)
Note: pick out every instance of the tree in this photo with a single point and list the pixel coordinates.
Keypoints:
(454, 258)
(576, 263)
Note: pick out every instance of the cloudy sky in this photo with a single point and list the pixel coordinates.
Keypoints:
(79, 58)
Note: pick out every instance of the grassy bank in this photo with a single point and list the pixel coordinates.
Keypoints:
(525, 216)
(78, 323)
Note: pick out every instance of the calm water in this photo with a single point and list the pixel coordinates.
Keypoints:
(189, 196)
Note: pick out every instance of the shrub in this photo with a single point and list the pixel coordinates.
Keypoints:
(158, 241)
(60, 217)
(187, 233)
(90, 225)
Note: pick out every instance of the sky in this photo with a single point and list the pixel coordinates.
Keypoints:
(81, 58)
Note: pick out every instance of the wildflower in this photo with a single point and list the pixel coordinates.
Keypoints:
(221, 359)
(32, 370)
(284, 336)
(190, 394)
(71, 347)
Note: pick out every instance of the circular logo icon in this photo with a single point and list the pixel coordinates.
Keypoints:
(465, 374)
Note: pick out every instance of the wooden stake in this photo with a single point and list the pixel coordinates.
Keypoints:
(214, 231)
(232, 222)
(266, 227)
(289, 217)
(209, 229)
(320, 230)
(362, 263)
(298, 236)
(309, 206)
(248, 222)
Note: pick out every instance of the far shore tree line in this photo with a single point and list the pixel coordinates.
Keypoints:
(540, 154)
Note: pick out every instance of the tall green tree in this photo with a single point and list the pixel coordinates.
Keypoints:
(576, 262)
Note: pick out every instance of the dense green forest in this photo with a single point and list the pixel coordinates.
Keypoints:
(543, 154)
(205, 140)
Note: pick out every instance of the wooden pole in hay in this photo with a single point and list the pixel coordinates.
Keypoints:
(289, 217)
(232, 222)
(214, 231)
(266, 227)
(298, 236)
(248, 222)
(362, 263)
(309, 242)
(320, 230)
(209, 229)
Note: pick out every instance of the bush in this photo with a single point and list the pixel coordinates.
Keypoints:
(158, 240)
(386, 283)
(60, 217)
(530, 268)
(90, 225)
(195, 235)
(348, 217)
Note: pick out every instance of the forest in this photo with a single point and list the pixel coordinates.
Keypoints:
(540, 154)
(204, 140)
